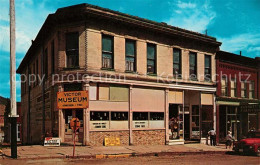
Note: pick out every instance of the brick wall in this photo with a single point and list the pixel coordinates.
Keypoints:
(149, 137)
(97, 138)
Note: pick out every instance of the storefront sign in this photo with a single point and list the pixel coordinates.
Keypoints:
(50, 141)
(112, 141)
(250, 108)
(72, 99)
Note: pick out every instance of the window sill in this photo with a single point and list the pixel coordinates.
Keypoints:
(152, 74)
(133, 72)
(108, 69)
(193, 79)
(71, 68)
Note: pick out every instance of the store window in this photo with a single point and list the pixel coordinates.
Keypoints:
(151, 59)
(156, 120)
(119, 120)
(148, 120)
(252, 90)
(72, 49)
(107, 52)
(206, 119)
(177, 63)
(243, 89)
(193, 65)
(113, 92)
(130, 53)
(233, 88)
(207, 69)
(224, 86)
(195, 122)
(99, 120)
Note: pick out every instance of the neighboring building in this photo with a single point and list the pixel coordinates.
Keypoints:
(3, 103)
(238, 94)
(140, 73)
(4, 120)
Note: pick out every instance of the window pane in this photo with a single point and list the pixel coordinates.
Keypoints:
(107, 43)
(140, 115)
(119, 93)
(233, 84)
(119, 115)
(150, 51)
(156, 116)
(103, 92)
(72, 41)
(99, 116)
(107, 60)
(176, 56)
(130, 64)
(207, 61)
(130, 47)
(150, 66)
(192, 59)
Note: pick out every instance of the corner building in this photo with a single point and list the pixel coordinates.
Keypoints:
(139, 75)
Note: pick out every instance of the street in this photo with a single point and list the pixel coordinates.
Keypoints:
(223, 159)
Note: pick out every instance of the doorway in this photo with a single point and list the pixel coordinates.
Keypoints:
(187, 127)
(175, 122)
(69, 114)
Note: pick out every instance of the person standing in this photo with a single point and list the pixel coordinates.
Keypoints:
(212, 135)
(229, 140)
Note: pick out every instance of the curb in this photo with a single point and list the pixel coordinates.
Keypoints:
(125, 155)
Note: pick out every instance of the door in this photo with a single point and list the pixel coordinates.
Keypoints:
(69, 114)
(187, 126)
(175, 122)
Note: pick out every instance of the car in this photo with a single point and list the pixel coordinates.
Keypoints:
(249, 145)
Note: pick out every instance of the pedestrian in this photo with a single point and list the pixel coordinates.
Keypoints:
(229, 140)
(212, 135)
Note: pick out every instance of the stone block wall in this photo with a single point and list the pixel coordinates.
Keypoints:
(97, 138)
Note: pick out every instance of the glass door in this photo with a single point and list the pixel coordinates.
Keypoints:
(195, 122)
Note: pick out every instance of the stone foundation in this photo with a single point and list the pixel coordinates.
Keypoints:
(97, 138)
(149, 137)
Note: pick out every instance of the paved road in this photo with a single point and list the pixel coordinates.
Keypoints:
(217, 159)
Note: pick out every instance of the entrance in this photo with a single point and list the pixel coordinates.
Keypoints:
(187, 126)
(69, 114)
(175, 122)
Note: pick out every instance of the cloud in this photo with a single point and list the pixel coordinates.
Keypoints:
(191, 16)
(246, 42)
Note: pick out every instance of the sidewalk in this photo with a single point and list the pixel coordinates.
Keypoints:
(41, 152)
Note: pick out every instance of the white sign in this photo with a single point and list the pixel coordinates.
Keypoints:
(50, 141)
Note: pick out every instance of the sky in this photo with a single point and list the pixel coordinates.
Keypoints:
(235, 23)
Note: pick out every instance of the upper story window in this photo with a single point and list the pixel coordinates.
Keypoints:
(193, 65)
(233, 88)
(177, 63)
(72, 49)
(252, 90)
(207, 69)
(46, 62)
(130, 51)
(52, 57)
(151, 59)
(243, 89)
(107, 52)
(224, 86)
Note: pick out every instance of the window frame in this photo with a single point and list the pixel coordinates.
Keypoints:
(233, 88)
(252, 90)
(179, 63)
(208, 68)
(130, 56)
(195, 66)
(244, 89)
(224, 87)
(154, 60)
(111, 53)
(68, 50)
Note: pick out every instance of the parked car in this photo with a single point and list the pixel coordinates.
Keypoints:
(249, 145)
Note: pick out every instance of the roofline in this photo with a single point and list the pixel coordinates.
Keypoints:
(111, 14)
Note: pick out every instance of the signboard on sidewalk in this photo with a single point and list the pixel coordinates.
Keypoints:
(72, 99)
(112, 141)
(51, 141)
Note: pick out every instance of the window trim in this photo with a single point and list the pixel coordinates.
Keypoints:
(244, 89)
(77, 65)
(179, 63)
(234, 88)
(224, 87)
(195, 66)
(111, 53)
(131, 56)
(252, 90)
(154, 60)
(210, 67)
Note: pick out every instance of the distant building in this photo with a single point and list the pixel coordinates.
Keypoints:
(3, 103)
(142, 75)
(238, 94)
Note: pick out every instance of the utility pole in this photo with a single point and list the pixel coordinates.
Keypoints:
(13, 112)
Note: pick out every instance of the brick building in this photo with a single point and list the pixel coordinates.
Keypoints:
(139, 74)
(238, 95)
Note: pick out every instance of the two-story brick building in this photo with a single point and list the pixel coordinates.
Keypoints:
(139, 74)
(238, 93)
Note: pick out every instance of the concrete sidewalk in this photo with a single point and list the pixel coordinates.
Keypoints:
(41, 152)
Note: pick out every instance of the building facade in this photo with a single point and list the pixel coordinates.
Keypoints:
(238, 104)
(140, 76)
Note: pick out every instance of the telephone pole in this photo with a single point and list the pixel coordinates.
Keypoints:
(13, 112)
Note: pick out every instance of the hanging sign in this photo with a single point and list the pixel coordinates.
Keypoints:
(72, 99)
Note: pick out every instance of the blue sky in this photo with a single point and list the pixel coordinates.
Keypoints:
(235, 23)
